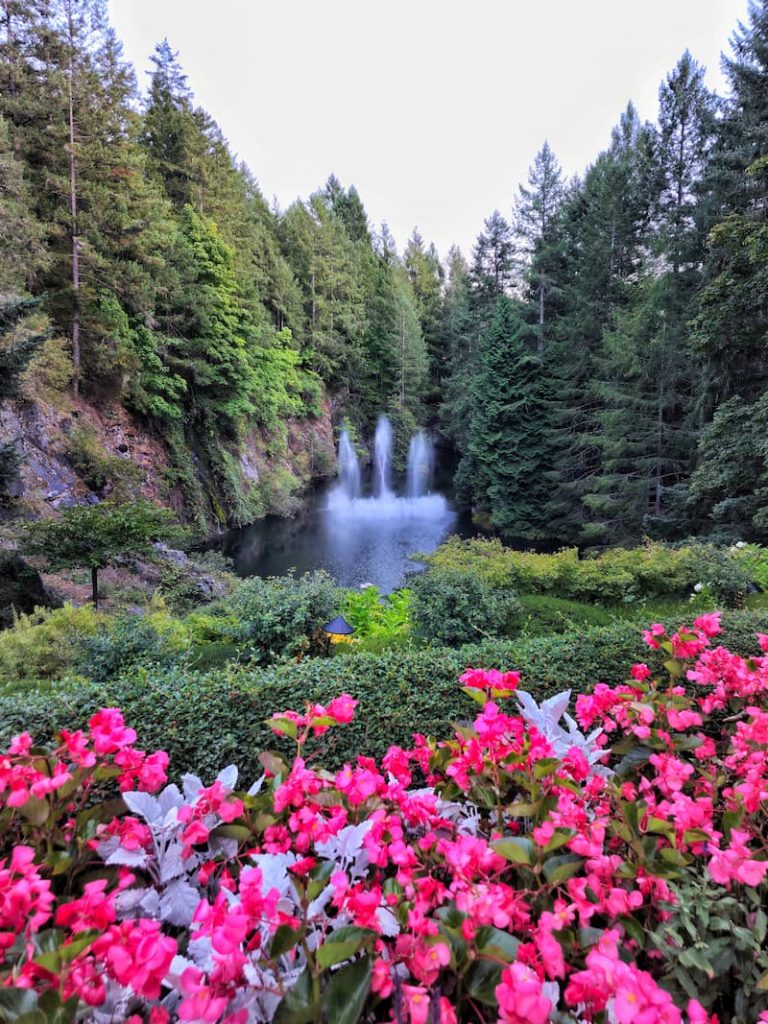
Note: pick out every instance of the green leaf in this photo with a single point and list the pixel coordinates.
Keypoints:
(476, 695)
(545, 766)
(560, 869)
(238, 832)
(284, 726)
(347, 991)
(35, 811)
(15, 1002)
(285, 938)
(517, 849)
(297, 1006)
(482, 980)
(494, 943)
(72, 949)
(762, 983)
(342, 944)
(560, 838)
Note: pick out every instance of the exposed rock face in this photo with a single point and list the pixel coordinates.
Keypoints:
(49, 480)
(21, 588)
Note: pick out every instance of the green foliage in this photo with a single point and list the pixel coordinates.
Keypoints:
(378, 621)
(128, 642)
(545, 614)
(280, 615)
(100, 470)
(94, 536)
(504, 469)
(620, 574)
(452, 607)
(42, 644)
(401, 692)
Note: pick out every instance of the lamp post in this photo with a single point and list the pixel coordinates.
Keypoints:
(338, 627)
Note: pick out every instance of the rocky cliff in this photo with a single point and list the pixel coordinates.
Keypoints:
(73, 451)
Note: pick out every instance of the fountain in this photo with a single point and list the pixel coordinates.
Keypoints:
(359, 532)
(349, 468)
(420, 462)
(382, 458)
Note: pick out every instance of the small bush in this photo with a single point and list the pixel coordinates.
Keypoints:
(621, 574)
(42, 644)
(280, 615)
(543, 614)
(452, 607)
(385, 619)
(129, 641)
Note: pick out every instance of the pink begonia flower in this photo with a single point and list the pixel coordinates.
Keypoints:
(342, 708)
(520, 996)
(708, 624)
(109, 731)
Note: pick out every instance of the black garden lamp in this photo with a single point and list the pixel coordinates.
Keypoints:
(338, 627)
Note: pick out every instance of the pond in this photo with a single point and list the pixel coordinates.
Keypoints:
(368, 540)
(360, 530)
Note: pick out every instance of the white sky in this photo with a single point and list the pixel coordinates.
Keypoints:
(434, 109)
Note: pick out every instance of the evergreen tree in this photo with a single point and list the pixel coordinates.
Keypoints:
(493, 264)
(507, 455)
(426, 276)
(18, 343)
(458, 329)
(22, 250)
(729, 489)
(605, 223)
(538, 233)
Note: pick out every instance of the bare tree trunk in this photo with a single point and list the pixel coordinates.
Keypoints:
(73, 221)
(95, 587)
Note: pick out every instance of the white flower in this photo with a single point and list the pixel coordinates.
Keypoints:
(698, 588)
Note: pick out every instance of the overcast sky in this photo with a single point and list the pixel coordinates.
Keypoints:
(434, 109)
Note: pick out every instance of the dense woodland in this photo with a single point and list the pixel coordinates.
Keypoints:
(598, 362)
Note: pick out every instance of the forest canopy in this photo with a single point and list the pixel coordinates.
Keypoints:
(597, 362)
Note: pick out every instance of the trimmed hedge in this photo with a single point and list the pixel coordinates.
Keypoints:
(206, 720)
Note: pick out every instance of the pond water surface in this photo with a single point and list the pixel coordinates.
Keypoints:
(360, 540)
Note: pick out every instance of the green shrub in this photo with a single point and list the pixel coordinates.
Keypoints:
(129, 641)
(373, 616)
(208, 719)
(543, 614)
(620, 574)
(453, 607)
(280, 615)
(42, 645)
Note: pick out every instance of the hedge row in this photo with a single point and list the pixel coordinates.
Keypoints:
(207, 720)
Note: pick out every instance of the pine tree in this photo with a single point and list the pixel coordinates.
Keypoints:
(458, 329)
(22, 250)
(507, 456)
(493, 264)
(646, 378)
(605, 222)
(17, 346)
(538, 234)
(426, 276)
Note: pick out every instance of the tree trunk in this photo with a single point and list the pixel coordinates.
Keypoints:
(95, 587)
(73, 216)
